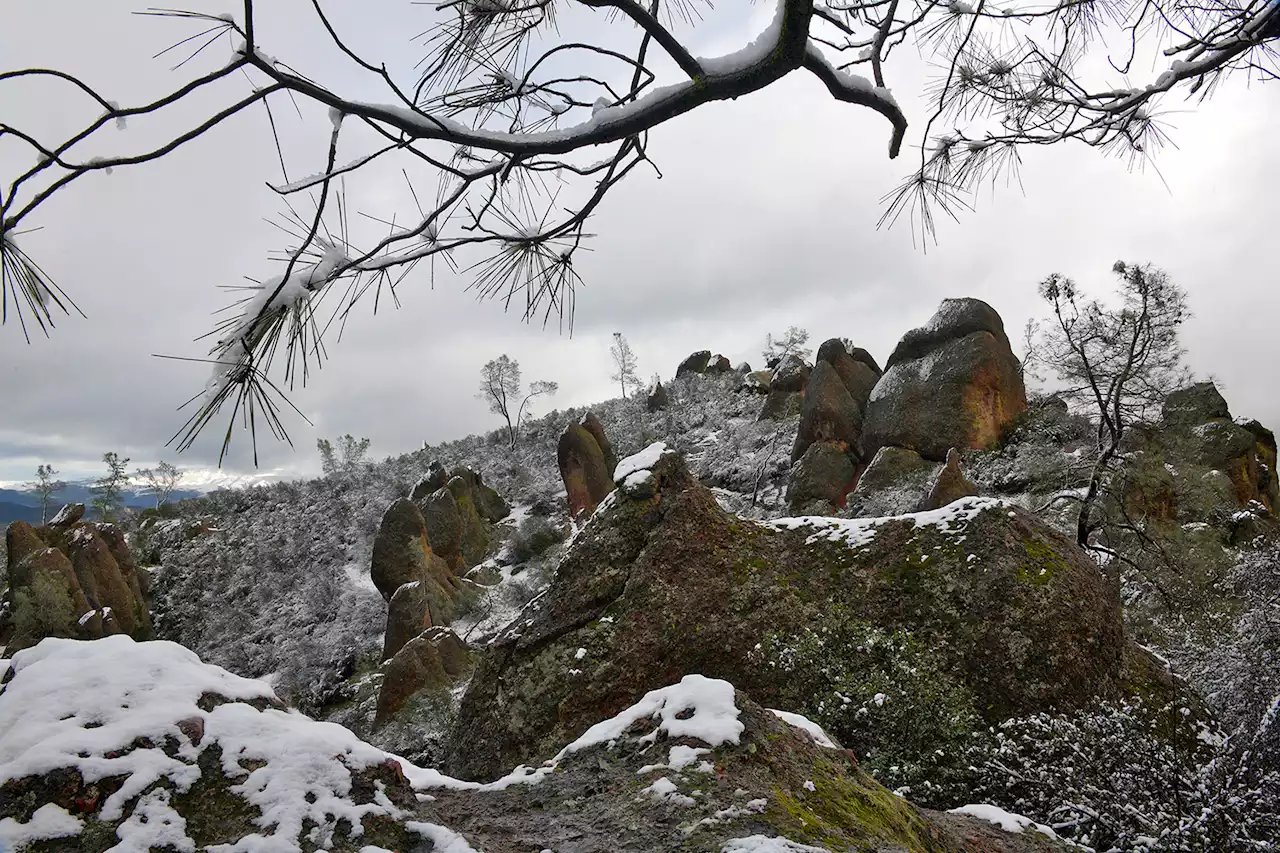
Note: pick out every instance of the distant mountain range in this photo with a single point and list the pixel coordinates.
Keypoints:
(21, 504)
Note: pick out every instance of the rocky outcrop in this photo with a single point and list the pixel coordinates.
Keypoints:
(949, 485)
(820, 480)
(658, 398)
(72, 579)
(694, 765)
(786, 388)
(1198, 426)
(755, 382)
(444, 526)
(434, 480)
(694, 363)
(592, 425)
(667, 584)
(828, 414)
(408, 615)
(954, 382)
(583, 468)
(857, 369)
(719, 364)
(431, 661)
(402, 555)
(832, 411)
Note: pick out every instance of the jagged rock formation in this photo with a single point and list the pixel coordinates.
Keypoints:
(584, 467)
(954, 382)
(431, 661)
(665, 583)
(786, 388)
(72, 578)
(694, 363)
(821, 479)
(424, 587)
(831, 414)
(949, 485)
(658, 398)
(142, 745)
(592, 425)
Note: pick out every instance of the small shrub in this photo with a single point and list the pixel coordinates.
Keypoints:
(534, 536)
(43, 609)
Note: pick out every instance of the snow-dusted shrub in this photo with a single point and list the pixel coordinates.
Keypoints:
(1124, 777)
(533, 537)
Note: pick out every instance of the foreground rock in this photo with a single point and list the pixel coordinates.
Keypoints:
(664, 583)
(954, 382)
(141, 745)
(72, 579)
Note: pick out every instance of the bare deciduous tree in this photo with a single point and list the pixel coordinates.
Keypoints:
(159, 482)
(515, 126)
(46, 485)
(624, 365)
(500, 385)
(1118, 361)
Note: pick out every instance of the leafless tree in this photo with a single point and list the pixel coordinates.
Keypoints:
(1118, 361)
(511, 133)
(500, 385)
(624, 365)
(159, 482)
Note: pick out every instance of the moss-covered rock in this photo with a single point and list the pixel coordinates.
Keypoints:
(659, 587)
(583, 468)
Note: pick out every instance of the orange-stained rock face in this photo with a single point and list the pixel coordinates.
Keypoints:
(953, 383)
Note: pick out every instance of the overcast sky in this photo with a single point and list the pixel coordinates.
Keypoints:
(765, 217)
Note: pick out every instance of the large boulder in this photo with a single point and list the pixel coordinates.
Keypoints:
(1200, 440)
(821, 479)
(954, 382)
(664, 583)
(489, 504)
(592, 425)
(408, 615)
(444, 526)
(858, 372)
(583, 468)
(476, 540)
(694, 363)
(402, 555)
(431, 661)
(658, 398)
(828, 413)
(894, 482)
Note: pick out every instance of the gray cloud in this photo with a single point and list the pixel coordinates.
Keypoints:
(765, 217)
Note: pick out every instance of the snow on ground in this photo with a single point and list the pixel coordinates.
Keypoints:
(820, 737)
(856, 532)
(97, 706)
(642, 461)
(766, 844)
(1008, 821)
